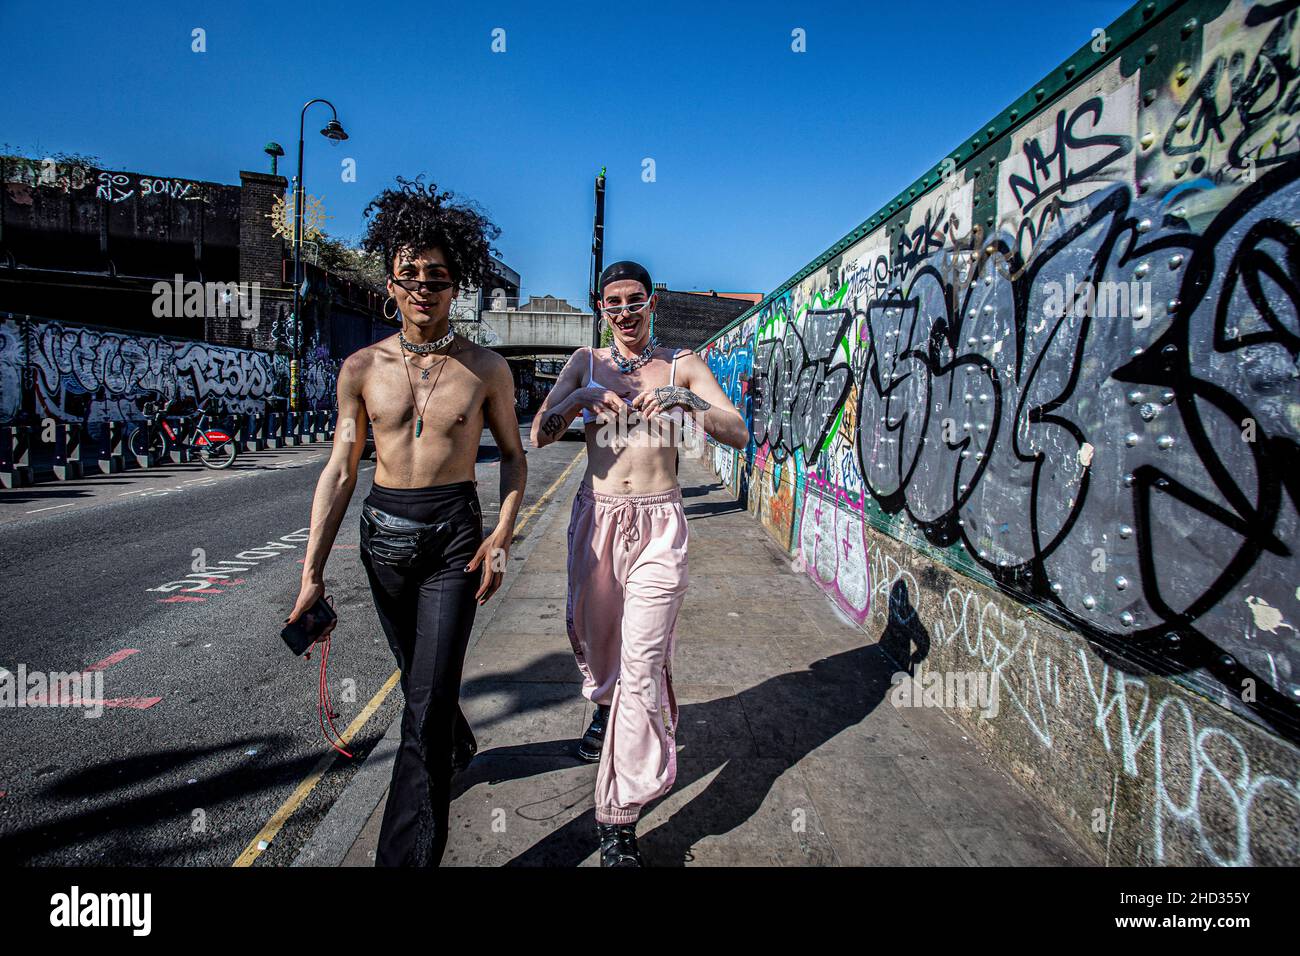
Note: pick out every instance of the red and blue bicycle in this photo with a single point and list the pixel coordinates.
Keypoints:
(212, 446)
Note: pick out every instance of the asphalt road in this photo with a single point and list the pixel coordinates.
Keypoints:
(213, 723)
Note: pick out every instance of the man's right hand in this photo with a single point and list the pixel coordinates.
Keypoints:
(595, 399)
(307, 596)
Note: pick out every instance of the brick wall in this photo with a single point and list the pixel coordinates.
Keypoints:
(261, 253)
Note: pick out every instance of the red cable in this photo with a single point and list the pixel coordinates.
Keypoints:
(323, 709)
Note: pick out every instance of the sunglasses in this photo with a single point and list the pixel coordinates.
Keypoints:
(429, 285)
(635, 308)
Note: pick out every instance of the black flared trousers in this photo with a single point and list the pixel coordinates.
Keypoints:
(427, 612)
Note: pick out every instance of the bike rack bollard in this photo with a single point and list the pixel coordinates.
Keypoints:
(239, 433)
(322, 425)
(179, 454)
(291, 430)
(112, 458)
(309, 428)
(257, 439)
(148, 459)
(274, 426)
(15, 461)
(67, 451)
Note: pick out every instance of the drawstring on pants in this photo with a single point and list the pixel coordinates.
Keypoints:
(626, 516)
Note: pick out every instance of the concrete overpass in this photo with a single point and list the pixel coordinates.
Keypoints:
(522, 332)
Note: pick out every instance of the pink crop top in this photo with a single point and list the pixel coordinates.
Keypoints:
(589, 416)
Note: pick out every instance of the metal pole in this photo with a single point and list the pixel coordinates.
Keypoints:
(297, 266)
(597, 257)
(295, 360)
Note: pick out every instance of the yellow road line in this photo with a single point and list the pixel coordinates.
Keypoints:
(546, 495)
(259, 843)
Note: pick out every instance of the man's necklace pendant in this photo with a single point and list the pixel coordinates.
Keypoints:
(419, 426)
(424, 373)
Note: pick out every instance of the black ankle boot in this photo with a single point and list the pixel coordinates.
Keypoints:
(594, 738)
(463, 745)
(462, 752)
(618, 844)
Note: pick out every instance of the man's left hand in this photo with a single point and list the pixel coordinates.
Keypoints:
(491, 558)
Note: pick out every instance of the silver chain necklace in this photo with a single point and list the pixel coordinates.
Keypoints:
(625, 364)
(427, 348)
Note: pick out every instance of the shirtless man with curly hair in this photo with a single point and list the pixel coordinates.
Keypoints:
(428, 393)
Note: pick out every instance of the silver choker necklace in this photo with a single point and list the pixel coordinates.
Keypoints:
(625, 364)
(425, 349)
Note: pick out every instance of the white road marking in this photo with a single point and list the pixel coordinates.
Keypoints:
(52, 508)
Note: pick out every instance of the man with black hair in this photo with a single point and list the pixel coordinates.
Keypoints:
(627, 565)
(428, 393)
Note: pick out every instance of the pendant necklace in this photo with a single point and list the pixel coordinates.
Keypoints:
(419, 418)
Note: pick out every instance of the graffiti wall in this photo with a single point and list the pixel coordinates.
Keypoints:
(88, 375)
(1064, 364)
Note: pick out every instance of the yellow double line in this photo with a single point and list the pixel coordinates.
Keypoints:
(262, 841)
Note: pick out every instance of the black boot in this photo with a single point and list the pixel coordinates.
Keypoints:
(594, 738)
(461, 754)
(618, 844)
(464, 746)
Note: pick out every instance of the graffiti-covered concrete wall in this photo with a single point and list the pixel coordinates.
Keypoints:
(1039, 417)
(52, 370)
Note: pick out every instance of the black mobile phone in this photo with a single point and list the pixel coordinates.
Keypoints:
(310, 627)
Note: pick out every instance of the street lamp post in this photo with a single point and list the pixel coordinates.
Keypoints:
(597, 258)
(332, 131)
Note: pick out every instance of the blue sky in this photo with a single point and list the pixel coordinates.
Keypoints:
(763, 157)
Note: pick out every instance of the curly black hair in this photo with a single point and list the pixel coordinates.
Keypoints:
(415, 216)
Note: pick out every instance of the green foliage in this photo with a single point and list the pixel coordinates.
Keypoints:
(351, 263)
(11, 153)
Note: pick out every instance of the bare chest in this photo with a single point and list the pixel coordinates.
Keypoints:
(448, 401)
(653, 374)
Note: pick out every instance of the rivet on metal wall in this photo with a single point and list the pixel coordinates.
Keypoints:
(1147, 139)
(1013, 115)
(1152, 50)
(1183, 75)
(1190, 27)
(1149, 97)
(1148, 10)
(1039, 93)
(1069, 71)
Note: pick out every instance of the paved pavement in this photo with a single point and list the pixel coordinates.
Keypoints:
(790, 752)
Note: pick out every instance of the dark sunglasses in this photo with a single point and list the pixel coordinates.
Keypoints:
(430, 285)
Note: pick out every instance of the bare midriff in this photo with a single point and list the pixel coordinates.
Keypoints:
(636, 460)
(646, 465)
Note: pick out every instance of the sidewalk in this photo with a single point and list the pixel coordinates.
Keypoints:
(790, 752)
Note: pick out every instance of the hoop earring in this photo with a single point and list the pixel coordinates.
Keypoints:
(395, 309)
